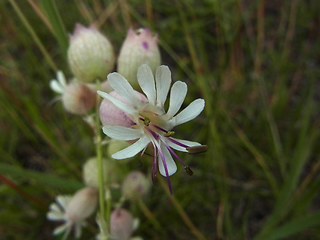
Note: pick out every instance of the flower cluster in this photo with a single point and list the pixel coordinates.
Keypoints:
(132, 120)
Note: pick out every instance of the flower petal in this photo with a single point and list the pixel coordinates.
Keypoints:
(189, 113)
(54, 207)
(163, 82)
(177, 95)
(171, 165)
(55, 216)
(146, 82)
(119, 104)
(56, 86)
(184, 142)
(62, 228)
(133, 149)
(123, 87)
(121, 133)
(63, 200)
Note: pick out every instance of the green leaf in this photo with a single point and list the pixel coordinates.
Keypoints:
(52, 13)
(46, 179)
(295, 226)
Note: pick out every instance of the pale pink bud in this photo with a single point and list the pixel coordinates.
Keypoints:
(135, 186)
(138, 48)
(82, 204)
(90, 54)
(78, 98)
(121, 224)
(111, 115)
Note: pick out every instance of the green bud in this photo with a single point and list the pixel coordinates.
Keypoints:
(90, 54)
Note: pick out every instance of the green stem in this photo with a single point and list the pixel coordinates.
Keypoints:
(99, 160)
(185, 218)
(146, 211)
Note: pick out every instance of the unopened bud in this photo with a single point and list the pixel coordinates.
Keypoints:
(77, 98)
(121, 224)
(112, 115)
(110, 172)
(139, 47)
(82, 204)
(135, 186)
(90, 54)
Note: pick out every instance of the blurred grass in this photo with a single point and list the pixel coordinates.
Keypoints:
(256, 63)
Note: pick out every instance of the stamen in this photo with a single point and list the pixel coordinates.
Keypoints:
(146, 121)
(188, 170)
(197, 149)
(169, 134)
(178, 143)
(174, 154)
(154, 166)
(160, 128)
(165, 168)
(154, 135)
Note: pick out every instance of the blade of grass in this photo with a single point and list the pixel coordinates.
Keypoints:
(16, 188)
(295, 226)
(300, 156)
(33, 35)
(54, 18)
(46, 179)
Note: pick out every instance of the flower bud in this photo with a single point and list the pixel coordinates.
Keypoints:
(82, 204)
(139, 47)
(121, 224)
(90, 54)
(77, 98)
(112, 115)
(110, 170)
(135, 186)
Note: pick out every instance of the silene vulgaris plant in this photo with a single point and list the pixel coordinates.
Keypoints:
(132, 121)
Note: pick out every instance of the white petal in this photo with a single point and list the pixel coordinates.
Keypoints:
(63, 200)
(146, 82)
(189, 113)
(61, 78)
(68, 230)
(123, 87)
(77, 230)
(133, 149)
(55, 216)
(185, 142)
(61, 228)
(163, 81)
(177, 95)
(171, 165)
(121, 133)
(54, 207)
(56, 87)
(119, 104)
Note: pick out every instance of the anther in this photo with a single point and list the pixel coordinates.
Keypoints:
(188, 170)
(197, 149)
(169, 134)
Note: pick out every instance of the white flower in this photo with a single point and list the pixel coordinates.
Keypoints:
(73, 210)
(151, 123)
